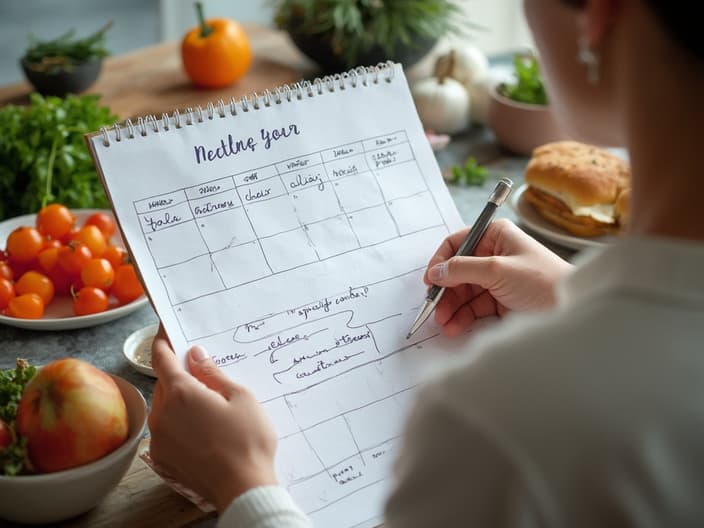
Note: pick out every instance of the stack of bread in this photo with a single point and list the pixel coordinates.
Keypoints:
(580, 188)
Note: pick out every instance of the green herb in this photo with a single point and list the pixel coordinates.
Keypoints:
(13, 459)
(528, 87)
(471, 173)
(356, 26)
(43, 157)
(66, 51)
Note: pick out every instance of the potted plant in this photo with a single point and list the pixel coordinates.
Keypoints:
(65, 64)
(341, 34)
(519, 113)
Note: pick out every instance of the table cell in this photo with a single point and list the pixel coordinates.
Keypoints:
(288, 250)
(210, 188)
(314, 205)
(269, 217)
(261, 190)
(342, 151)
(191, 279)
(386, 140)
(358, 192)
(175, 244)
(384, 157)
(299, 163)
(332, 453)
(215, 203)
(405, 213)
(349, 166)
(305, 178)
(332, 237)
(373, 225)
(166, 218)
(256, 175)
(403, 179)
(162, 201)
(226, 229)
(251, 264)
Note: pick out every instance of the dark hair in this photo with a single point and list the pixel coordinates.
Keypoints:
(678, 20)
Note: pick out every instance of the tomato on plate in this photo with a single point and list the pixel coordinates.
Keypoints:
(98, 272)
(35, 282)
(90, 300)
(27, 306)
(126, 286)
(104, 222)
(55, 220)
(24, 244)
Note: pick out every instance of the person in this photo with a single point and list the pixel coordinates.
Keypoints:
(588, 409)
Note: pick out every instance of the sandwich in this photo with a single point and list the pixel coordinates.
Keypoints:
(575, 186)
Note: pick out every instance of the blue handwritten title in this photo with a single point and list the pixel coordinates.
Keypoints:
(231, 147)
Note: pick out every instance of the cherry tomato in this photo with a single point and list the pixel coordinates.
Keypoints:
(5, 436)
(7, 293)
(91, 236)
(98, 272)
(27, 306)
(24, 244)
(55, 220)
(47, 258)
(104, 222)
(69, 237)
(35, 282)
(62, 280)
(126, 287)
(90, 300)
(73, 257)
(52, 243)
(116, 256)
(6, 270)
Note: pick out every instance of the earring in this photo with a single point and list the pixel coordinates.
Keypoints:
(590, 58)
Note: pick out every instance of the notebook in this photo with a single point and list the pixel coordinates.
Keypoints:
(287, 232)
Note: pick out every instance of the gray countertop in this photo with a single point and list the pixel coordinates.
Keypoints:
(102, 345)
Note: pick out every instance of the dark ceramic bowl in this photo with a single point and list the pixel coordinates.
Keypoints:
(62, 83)
(319, 49)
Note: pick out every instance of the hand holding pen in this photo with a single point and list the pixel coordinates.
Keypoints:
(497, 197)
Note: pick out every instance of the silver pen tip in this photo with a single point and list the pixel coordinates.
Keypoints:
(408, 335)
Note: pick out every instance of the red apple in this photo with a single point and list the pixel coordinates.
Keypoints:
(71, 413)
(5, 435)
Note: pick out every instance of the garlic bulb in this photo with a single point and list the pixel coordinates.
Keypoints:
(443, 104)
(467, 64)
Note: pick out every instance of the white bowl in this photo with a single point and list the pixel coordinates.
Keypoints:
(52, 497)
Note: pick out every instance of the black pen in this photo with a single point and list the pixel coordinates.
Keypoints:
(498, 196)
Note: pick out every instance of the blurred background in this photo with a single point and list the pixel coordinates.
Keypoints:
(140, 23)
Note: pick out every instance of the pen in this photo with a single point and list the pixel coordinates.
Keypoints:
(498, 196)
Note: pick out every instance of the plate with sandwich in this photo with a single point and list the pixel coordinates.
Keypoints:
(575, 195)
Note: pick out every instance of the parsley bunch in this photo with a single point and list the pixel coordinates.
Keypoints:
(471, 173)
(13, 459)
(43, 157)
(528, 87)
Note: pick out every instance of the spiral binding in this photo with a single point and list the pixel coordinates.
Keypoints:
(363, 75)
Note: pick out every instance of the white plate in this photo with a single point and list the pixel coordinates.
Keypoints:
(536, 223)
(138, 349)
(59, 313)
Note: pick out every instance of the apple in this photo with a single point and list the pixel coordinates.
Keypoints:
(5, 435)
(71, 413)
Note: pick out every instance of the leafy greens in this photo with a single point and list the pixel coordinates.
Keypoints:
(13, 459)
(43, 157)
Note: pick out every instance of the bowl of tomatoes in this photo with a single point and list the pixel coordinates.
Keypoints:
(63, 268)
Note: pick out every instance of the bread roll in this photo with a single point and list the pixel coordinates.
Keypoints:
(575, 186)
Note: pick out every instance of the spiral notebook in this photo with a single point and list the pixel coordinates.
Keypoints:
(287, 232)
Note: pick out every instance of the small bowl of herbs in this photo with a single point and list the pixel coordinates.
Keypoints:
(66, 64)
(519, 113)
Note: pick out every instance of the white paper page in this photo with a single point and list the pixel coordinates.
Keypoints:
(297, 262)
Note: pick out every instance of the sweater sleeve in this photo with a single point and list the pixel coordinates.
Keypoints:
(453, 472)
(264, 507)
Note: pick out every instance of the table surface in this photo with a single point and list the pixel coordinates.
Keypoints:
(102, 345)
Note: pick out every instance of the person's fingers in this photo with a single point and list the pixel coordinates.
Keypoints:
(446, 250)
(484, 305)
(482, 271)
(460, 321)
(450, 303)
(204, 369)
(164, 362)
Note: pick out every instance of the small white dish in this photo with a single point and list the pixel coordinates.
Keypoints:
(529, 217)
(138, 349)
(59, 314)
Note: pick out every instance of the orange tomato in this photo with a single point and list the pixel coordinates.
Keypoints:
(5, 270)
(24, 244)
(90, 300)
(116, 256)
(104, 222)
(216, 53)
(73, 257)
(35, 282)
(98, 272)
(55, 220)
(62, 281)
(126, 286)
(27, 306)
(47, 258)
(92, 237)
(7, 293)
